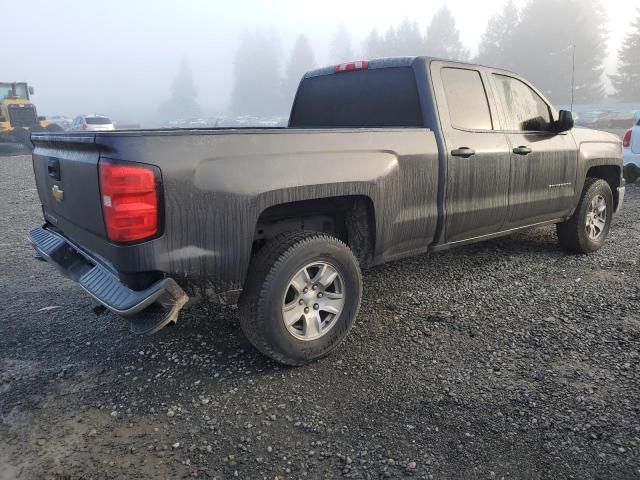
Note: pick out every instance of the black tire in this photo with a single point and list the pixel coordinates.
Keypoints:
(572, 234)
(270, 274)
(54, 128)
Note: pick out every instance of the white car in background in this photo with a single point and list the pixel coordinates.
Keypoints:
(92, 123)
(631, 145)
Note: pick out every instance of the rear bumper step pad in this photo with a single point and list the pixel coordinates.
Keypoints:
(147, 310)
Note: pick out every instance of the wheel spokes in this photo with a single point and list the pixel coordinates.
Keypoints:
(599, 223)
(312, 324)
(326, 276)
(292, 314)
(301, 280)
(330, 309)
(333, 295)
(314, 299)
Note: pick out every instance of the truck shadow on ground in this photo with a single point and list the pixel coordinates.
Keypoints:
(214, 330)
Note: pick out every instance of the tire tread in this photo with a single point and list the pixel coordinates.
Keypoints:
(262, 270)
(570, 231)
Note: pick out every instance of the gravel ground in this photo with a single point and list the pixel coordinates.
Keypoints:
(506, 359)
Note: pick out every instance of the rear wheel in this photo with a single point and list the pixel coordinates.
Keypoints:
(587, 230)
(301, 297)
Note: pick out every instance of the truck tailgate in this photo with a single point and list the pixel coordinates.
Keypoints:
(66, 172)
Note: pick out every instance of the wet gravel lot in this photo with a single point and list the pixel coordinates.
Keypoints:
(506, 359)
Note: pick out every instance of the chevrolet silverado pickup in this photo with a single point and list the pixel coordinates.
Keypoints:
(381, 159)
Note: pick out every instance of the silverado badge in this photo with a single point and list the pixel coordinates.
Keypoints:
(58, 194)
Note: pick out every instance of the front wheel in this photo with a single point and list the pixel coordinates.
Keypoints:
(301, 297)
(588, 227)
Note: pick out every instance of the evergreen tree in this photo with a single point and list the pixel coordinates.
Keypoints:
(302, 60)
(626, 81)
(495, 41)
(257, 80)
(405, 40)
(541, 48)
(443, 38)
(373, 45)
(409, 40)
(390, 43)
(182, 102)
(341, 50)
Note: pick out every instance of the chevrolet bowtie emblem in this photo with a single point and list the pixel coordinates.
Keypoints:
(57, 193)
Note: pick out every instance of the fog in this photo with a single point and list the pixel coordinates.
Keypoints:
(120, 58)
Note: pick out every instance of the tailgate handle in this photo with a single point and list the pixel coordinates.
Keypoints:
(53, 168)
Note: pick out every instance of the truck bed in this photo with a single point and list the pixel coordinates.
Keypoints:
(217, 182)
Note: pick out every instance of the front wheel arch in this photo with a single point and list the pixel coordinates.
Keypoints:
(612, 174)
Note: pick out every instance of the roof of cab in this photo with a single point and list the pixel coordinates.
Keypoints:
(398, 62)
(373, 64)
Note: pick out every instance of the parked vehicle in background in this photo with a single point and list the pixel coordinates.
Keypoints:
(128, 125)
(92, 123)
(589, 119)
(617, 120)
(64, 122)
(18, 117)
(381, 160)
(631, 154)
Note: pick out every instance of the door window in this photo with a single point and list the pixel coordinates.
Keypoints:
(466, 99)
(524, 108)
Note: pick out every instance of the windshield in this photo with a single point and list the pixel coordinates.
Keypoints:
(7, 90)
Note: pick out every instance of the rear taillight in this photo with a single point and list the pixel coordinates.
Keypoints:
(626, 140)
(352, 66)
(129, 194)
(83, 127)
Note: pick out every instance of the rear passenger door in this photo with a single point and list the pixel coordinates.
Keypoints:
(478, 157)
(543, 163)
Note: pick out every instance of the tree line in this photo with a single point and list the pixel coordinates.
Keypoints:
(551, 42)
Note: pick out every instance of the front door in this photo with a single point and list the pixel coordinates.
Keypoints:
(543, 163)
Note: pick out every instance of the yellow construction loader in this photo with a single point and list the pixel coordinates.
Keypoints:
(18, 116)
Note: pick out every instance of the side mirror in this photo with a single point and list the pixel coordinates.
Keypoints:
(31, 90)
(565, 122)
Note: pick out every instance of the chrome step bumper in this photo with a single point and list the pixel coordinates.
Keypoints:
(166, 296)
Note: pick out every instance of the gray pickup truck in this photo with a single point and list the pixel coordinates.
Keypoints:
(381, 160)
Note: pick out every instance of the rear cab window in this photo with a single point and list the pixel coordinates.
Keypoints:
(370, 98)
(466, 99)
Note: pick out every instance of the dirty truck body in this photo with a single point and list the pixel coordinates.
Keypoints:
(381, 160)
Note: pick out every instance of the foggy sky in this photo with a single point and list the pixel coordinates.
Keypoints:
(119, 57)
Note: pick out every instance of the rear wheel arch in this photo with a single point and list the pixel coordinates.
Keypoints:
(350, 218)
